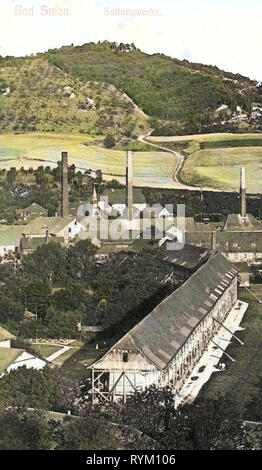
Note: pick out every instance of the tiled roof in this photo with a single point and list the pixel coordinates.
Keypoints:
(160, 335)
(228, 242)
(189, 257)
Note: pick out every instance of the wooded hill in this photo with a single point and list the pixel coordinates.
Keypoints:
(52, 92)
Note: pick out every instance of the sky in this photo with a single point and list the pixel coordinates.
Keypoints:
(226, 33)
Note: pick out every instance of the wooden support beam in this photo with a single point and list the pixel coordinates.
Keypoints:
(114, 386)
(239, 340)
(124, 387)
(96, 390)
(131, 383)
(98, 377)
(93, 395)
(217, 345)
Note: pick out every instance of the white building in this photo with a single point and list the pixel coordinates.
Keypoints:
(60, 227)
(10, 239)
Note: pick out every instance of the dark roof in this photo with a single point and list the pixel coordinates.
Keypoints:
(238, 242)
(188, 257)
(228, 242)
(28, 243)
(163, 331)
(234, 222)
(201, 239)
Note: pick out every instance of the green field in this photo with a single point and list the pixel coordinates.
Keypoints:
(220, 168)
(153, 169)
(60, 360)
(45, 350)
(240, 377)
(214, 160)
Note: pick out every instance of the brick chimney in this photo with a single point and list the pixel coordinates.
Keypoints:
(64, 185)
(129, 184)
(95, 199)
(243, 192)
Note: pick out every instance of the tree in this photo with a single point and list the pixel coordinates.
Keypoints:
(90, 432)
(45, 389)
(109, 141)
(254, 407)
(207, 424)
(25, 431)
(37, 297)
(10, 310)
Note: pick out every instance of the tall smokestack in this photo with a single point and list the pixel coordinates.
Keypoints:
(243, 192)
(64, 204)
(94, 198)
(129, 184)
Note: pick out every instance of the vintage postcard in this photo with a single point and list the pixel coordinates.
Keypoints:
(131, 228)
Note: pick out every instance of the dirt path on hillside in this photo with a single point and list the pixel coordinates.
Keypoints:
(180, 160)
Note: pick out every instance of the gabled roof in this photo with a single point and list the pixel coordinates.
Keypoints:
(228, 242)
(237, 242)
(160, 335)
(190, 224)
(4, 334)
(234, 222)
(12, 235)
(189, 257)
(34, 208)
(54, 224)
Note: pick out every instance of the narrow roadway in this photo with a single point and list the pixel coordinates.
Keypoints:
(180, 160)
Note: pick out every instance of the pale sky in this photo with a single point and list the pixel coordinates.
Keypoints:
(226, 33)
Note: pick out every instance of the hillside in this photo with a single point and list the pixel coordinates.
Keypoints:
(36, 96)
(184, 98)
(104, 88)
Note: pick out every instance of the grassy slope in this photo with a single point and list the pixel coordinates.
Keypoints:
(38, 101)
(45, 350)
(59, 361)
(240, 377)
(219, 166)
(34, 149)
